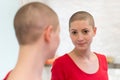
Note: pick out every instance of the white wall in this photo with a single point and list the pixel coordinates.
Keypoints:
(8, 43)
(105, 12)
(107, 19)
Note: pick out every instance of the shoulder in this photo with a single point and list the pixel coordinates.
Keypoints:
(59, 63)
(102, 59)
(100, 55)
(61, 58)
(5, 78)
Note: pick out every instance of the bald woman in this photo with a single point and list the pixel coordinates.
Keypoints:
(37, 30)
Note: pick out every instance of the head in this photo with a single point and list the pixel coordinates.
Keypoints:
(34, 20)
(82, 29)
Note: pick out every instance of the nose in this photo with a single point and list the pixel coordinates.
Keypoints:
(80, 37)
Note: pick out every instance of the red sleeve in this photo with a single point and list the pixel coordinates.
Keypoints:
(57, 71)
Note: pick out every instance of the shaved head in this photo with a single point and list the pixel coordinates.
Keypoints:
(30, 21)
(82, 15)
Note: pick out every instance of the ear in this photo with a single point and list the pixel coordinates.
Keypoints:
(48, 33)
(94, 30)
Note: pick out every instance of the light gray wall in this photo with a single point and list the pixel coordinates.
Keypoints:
(107, 19)
(8, 43)
(105, 12)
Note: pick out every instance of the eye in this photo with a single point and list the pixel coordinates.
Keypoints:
(74, 32)
(85, 31)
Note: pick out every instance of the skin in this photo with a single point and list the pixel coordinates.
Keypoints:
(34, 53)
(81, 34)
(32, 57)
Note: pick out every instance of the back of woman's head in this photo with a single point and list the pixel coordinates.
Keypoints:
(30, 21)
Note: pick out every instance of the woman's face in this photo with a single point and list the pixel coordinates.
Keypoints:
(81, 34)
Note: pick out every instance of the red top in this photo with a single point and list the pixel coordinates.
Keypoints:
(65, 69)
(7, 76)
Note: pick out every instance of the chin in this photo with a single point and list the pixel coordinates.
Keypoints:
(82, 48)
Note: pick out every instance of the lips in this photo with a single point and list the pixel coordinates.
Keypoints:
(81, 43)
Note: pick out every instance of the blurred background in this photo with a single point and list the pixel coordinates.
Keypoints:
(107, 40)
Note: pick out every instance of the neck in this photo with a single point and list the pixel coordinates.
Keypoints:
(82, 53)
(30, 63)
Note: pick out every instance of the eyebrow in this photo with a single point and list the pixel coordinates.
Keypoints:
(73, 29)
(82, 29)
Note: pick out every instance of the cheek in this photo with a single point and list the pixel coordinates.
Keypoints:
(58, 40)
(90, 38)
(73, 39)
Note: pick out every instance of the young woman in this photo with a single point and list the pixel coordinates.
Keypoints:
(37, 30)
(81, 63)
